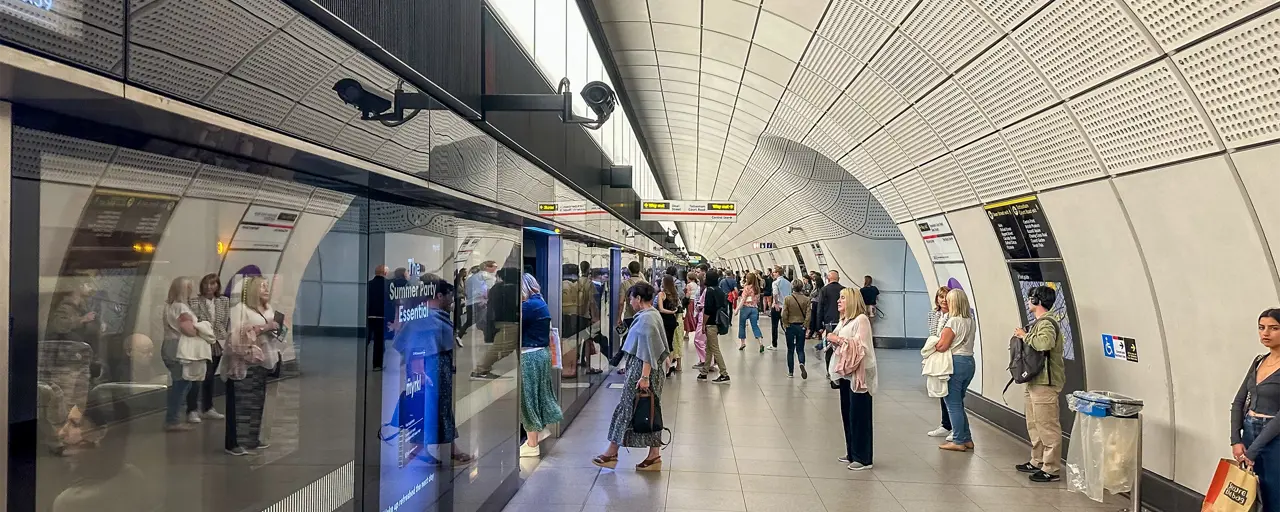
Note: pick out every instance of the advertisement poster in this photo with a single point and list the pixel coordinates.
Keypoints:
(1029, 274)
(411, 384)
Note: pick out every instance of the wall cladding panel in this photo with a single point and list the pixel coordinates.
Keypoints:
(1207, 337)
(1112, 296)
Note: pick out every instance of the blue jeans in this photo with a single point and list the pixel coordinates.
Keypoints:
(1267, 465)
(795, 346)
(749, 313)
(963, 368)
(175, 398)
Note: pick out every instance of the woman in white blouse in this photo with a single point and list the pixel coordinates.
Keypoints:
(253, 350)
(937, 318)
(957, 335)
(853, 369)
(179, 321)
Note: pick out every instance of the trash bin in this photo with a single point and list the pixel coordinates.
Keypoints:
(1106, 445)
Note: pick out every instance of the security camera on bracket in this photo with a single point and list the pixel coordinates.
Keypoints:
(598, 96)
(374, 107)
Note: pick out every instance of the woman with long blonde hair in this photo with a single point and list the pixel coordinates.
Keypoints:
(253, 349)
(957, 335)
(179, 321)
(853, 369)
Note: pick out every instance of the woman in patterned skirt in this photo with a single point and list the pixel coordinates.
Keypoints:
(645, 348)
(538, 404)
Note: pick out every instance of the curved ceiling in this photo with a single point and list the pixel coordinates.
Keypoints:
(935, 105)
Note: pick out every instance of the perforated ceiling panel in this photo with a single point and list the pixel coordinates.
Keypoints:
(58, 158)
(1234, 76)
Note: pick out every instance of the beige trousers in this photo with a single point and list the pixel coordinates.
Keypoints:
(1044, 428)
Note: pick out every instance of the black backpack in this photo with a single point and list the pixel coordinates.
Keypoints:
(1025, 363)
(723, 317)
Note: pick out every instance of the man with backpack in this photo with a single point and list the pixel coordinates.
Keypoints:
(714, 309)
(1038, 362)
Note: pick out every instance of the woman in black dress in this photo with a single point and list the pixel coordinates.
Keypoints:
(668, 306)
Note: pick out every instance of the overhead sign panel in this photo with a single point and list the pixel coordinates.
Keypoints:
(689, 211)
(571, 210)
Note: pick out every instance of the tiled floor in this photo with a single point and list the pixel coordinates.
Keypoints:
(769, 443)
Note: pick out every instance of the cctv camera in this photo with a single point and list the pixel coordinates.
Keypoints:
(600, 99)
(371, 104)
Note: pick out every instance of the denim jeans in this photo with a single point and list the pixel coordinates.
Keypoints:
(795, 346)
(752, 314)
(1267, 465)
(963, 368)
(177, 394)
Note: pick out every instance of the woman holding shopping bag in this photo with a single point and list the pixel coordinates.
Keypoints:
(1253, 412)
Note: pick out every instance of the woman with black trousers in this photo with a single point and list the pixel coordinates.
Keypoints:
(210, 306)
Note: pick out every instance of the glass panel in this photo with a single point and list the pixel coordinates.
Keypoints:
(86, 32)
(549, 51)
(449, 437)
(185, 333)
(518, 16)
(571, 309)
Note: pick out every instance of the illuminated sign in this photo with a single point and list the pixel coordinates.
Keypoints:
(689, 211)
(572, 210)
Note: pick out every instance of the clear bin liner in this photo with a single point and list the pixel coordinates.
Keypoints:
(1103, 455)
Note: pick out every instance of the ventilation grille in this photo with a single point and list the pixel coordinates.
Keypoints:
(1177, 22)
(916, 194)
(1234, 75)
(907, 69)
(864, 168)
(1003, 84)
(284, 194)
(1080, 43)
(950, 31)
(891, 202)
(289, 66)
(874, 95)
(311, 124)
(886, 153)
(1051, 150)
(250, 101)
(215, 33)
(1009, 13)
(224, 185)
(51, 157)
(328, 203)
(915, 137)
(992, 170)
(854, 29)
(1143, 120)
(149, 172)
(173, 75)
(830, 62)
(948, 183)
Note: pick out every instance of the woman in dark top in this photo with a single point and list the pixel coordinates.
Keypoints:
(1253, 412)
(538, 405)
(668, 306)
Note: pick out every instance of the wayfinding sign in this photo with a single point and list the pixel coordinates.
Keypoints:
(689, 211)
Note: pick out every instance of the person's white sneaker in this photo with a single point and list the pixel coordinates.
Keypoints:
(771, 347)
(530, 451)
(858, 466)
(193, 417)
(939, 432)
(951, 437)
(213, 414)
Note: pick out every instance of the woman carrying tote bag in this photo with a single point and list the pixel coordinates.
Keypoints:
(645, 348)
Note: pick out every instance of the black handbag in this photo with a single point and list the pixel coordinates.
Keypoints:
(647, 418)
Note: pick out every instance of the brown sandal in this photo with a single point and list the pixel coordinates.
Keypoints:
(654, 464)
(606, 461)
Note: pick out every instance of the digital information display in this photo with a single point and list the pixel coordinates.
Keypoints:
(572, 210)
(1023, 230)
(689, 211)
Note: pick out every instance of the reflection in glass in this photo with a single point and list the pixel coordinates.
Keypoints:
(538, 406)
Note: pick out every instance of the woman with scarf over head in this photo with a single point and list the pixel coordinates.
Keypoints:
(645, 348)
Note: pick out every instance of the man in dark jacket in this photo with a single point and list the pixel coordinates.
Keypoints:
(828, 305)
(376, 308)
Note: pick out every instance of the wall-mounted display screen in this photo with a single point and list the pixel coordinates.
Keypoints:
(1022, 229)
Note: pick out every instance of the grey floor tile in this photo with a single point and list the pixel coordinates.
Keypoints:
(864, 505)
(703, 465)
(706, 499)
(770, 454)
(778, 484)
(770, 502)
(910, 491)
(705, 481)
(770, 467)
(552, 494)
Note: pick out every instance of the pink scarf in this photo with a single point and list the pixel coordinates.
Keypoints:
(852, 352)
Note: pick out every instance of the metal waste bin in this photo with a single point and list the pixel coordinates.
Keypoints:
(1106, 446)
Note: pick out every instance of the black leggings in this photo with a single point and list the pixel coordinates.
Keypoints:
(200, 396)
(946, 418)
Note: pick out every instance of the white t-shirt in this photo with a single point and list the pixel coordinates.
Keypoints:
(172, 312)
(965, 331)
